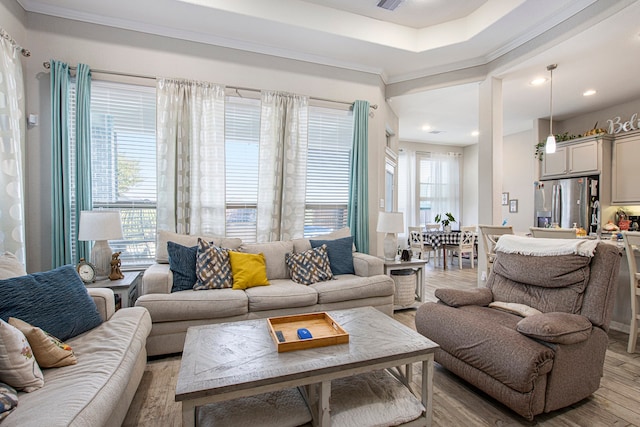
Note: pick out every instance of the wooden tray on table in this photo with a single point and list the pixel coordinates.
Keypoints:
(324, 331)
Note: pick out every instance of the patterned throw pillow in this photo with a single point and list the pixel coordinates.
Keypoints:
(212, 267)
(8, 400)
(310, 266)
(18, 366)
(49, 351)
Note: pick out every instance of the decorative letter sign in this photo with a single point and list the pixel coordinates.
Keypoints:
(616, 125)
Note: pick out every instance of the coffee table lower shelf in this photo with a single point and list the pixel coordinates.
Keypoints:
(232, 360)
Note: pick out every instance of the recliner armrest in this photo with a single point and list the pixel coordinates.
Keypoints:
(460, 297)
(556, 327)
(366, 265)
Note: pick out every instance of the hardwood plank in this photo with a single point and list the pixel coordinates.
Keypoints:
(455, 403)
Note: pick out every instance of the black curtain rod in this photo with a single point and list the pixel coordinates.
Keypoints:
(47, 65)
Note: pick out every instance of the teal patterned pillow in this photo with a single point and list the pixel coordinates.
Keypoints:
(310, 266)
(212, 267)
(8, 400)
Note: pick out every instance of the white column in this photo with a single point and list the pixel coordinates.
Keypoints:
(489, 161)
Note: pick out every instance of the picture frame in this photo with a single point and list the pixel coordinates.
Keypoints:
(505, 199)
(513, 206)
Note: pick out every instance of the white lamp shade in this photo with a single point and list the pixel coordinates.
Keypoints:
(100, 225)
(390, 222)
(550, 146)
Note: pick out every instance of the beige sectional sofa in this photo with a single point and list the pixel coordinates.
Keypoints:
(98, 390)
(173, 313)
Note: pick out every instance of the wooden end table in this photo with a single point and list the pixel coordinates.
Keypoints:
(126, 289)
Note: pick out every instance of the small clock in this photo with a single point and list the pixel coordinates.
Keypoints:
(86, 271)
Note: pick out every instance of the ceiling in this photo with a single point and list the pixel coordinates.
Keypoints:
(430, 53)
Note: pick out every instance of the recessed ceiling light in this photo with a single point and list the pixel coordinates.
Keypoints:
(426, 127)
(538, 81)
(589, 92)
(475, 133)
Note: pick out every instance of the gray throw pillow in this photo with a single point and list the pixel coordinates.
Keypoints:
(556, 327)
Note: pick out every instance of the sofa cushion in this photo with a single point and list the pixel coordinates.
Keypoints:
(18, 367)
(192, 305)
(561, 328)
(487, 340)
(164, 236)
(310, 266)
(275, 254)
(213, 268)
(340, 254)
(348, 287)
(10, 266)
(52, 292)
(182, 262)
(248, 270)
(460, 297)
(49, 351)
(89, 392)
(282, 293)
(8, 400)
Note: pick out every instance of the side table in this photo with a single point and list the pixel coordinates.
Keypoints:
(415, 264)
(126, 289)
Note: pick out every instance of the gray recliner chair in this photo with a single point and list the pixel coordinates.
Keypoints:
(535, 338)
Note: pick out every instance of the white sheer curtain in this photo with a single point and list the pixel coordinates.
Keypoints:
(191, 157)
(11, 141)
(439, 177)
(283, 164)
(407, 191)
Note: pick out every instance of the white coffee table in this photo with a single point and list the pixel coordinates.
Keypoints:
(231, 360)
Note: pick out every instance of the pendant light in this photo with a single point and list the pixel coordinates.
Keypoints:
(550, 146)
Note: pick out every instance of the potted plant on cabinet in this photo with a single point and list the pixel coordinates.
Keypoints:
(446, 220)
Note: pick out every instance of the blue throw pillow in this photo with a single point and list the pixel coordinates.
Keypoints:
(340, 255)
(182, 262)
(56, 301)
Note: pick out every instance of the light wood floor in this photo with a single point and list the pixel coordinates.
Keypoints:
(455, 403)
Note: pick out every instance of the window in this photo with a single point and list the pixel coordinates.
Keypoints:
(327, 182)
(438, 185)
(123, 163)
(242, 139)
(327, 197)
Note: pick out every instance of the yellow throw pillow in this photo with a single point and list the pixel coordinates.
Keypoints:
(49, 351)
(248, 270)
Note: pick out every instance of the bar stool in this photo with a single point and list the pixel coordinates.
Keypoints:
(632, 245)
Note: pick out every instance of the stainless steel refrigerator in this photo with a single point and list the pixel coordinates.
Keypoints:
(567, 202)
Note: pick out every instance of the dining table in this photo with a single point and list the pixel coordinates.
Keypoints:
(443, 239)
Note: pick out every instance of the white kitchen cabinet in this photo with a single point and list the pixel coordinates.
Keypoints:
(578, 157)
(626, 169)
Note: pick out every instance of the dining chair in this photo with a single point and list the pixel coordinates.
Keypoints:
(490, 235)
(466, 245)
(553, 233)
(632, 246)
(416, 242)
(428, 247)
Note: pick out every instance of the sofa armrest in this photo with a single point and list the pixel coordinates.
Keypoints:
(460, 297)
(105, 301)
(366, 265)
(157, 279)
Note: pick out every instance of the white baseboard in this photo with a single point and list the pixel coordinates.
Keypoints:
(621, 327)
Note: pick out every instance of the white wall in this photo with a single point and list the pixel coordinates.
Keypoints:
(470, 185)
(132, 52)
(519, 173)
(13, 19)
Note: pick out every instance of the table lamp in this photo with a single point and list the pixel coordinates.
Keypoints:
(100, 226)
(390, 223)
